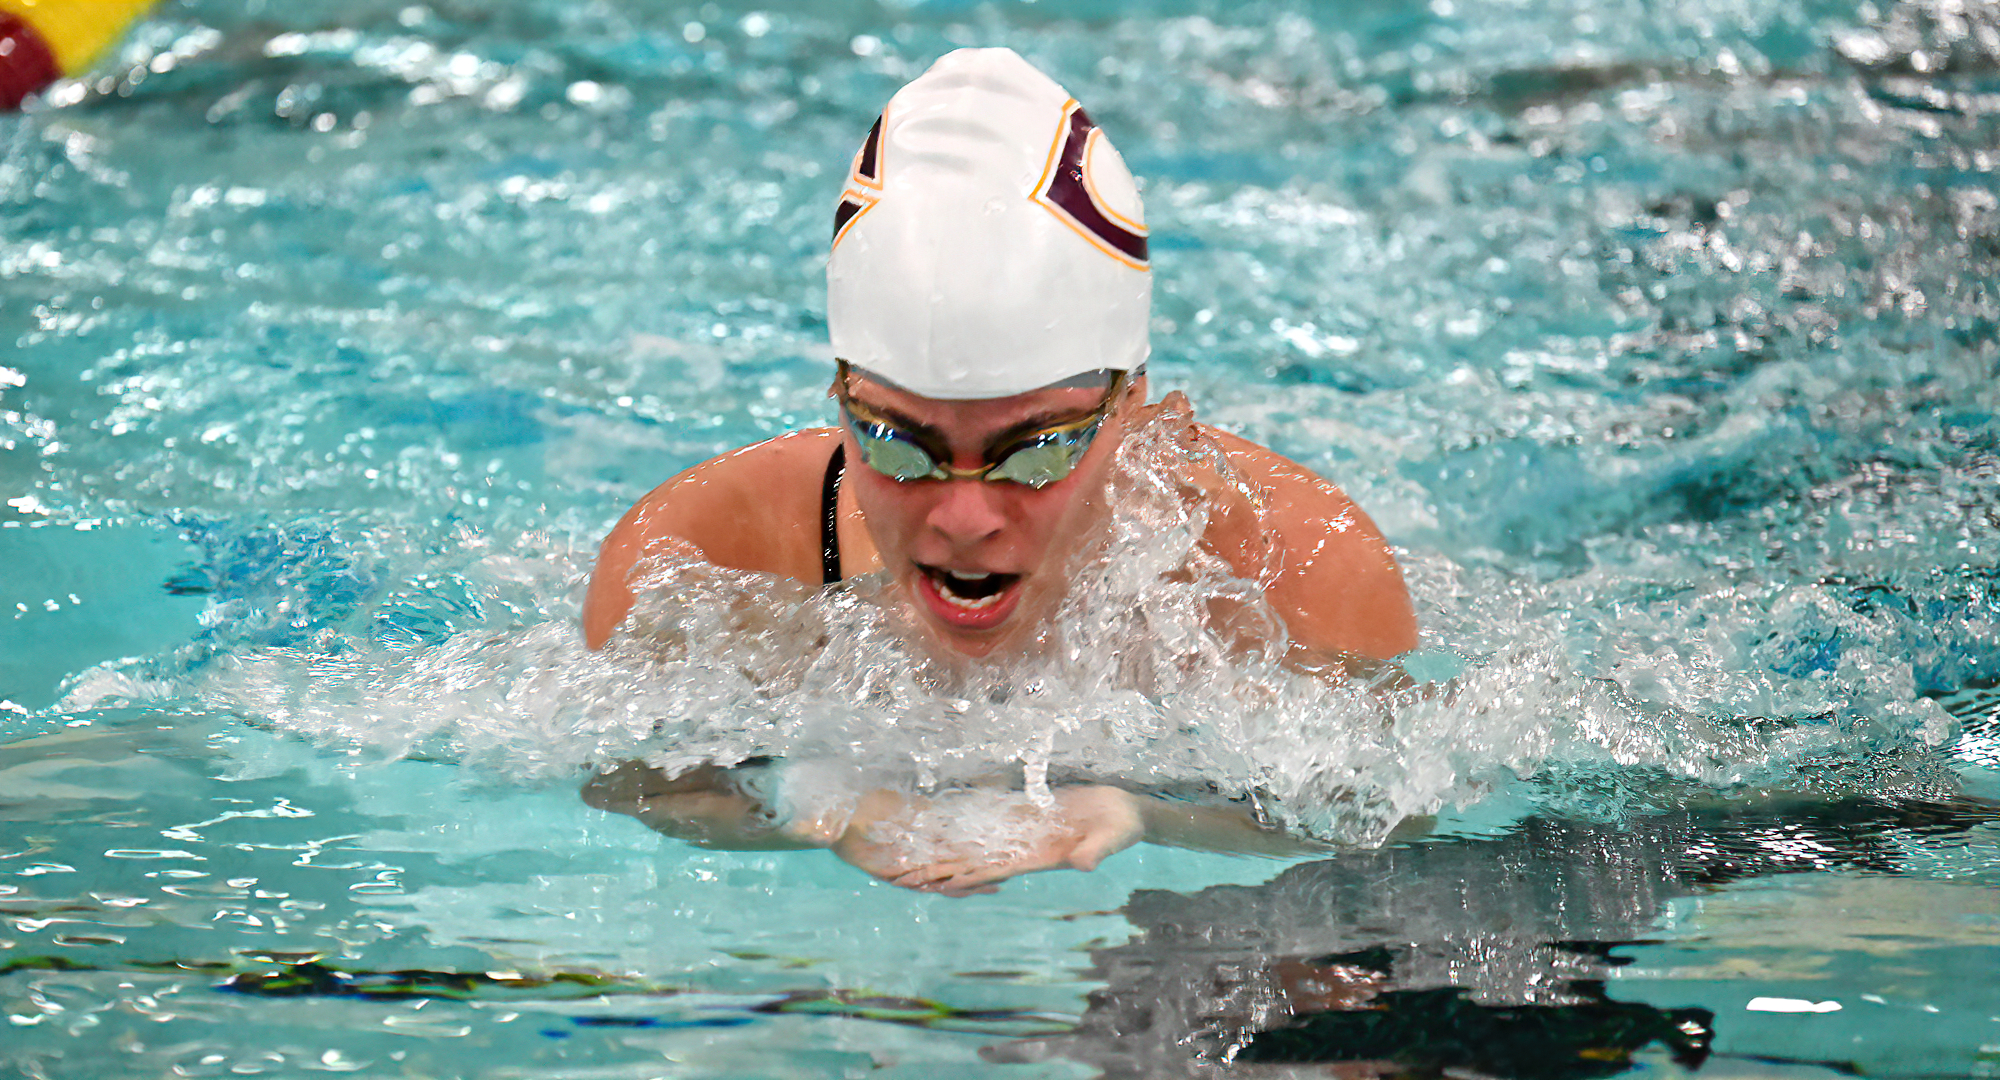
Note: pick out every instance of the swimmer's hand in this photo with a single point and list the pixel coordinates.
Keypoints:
(1083, 826)
(953, 846)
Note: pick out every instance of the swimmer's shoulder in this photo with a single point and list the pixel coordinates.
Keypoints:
(757, 508)
(1337, 582)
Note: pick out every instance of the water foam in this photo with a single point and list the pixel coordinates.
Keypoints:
(1136, 682)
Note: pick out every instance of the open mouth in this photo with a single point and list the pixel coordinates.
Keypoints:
(970, 590)
(968, 599)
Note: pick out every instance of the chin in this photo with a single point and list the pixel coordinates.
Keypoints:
(972, 644)
(978, 648)
(963, 636)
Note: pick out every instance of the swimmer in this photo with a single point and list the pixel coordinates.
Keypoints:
(989, 292)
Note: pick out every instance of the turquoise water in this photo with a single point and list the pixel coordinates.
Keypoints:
(1660, 339)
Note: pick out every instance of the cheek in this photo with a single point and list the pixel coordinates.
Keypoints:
(891, 510)
(1053, 516)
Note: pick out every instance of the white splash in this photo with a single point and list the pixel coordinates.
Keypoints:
(1133, 683)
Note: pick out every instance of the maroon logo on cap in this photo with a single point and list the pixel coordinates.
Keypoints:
(1067, 192)
(863, 180)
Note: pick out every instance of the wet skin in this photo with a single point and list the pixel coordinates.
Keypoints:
(931, 535)
(982, 565)
(1335, 583)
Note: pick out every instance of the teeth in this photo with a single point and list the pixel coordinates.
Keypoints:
(947, 579)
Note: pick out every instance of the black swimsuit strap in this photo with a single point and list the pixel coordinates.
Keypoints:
(829, 516)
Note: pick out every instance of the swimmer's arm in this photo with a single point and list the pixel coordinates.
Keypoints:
(1095, 822)
(700, 806)
(708, 807)
(703, 807)
(1229, 829)
(1099, 821)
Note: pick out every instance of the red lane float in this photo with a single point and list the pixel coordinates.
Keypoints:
(45, 40)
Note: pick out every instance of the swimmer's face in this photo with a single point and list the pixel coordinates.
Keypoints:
(982, 562)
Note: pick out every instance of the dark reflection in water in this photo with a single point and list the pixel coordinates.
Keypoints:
(1479, 955)
(1425, 1031)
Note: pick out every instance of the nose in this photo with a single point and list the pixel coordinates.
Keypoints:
(967, 512)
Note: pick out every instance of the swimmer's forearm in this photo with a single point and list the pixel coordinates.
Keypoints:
(699, 806)
(703, 807)
(1214, 828)
(724, 820)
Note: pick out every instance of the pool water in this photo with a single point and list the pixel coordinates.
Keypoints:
(1661, 340)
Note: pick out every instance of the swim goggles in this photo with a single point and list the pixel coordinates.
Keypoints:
(1036, 457)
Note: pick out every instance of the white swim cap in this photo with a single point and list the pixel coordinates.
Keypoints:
(990, 241)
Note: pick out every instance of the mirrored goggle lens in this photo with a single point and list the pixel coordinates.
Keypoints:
(1040, 464)
(883, 450)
